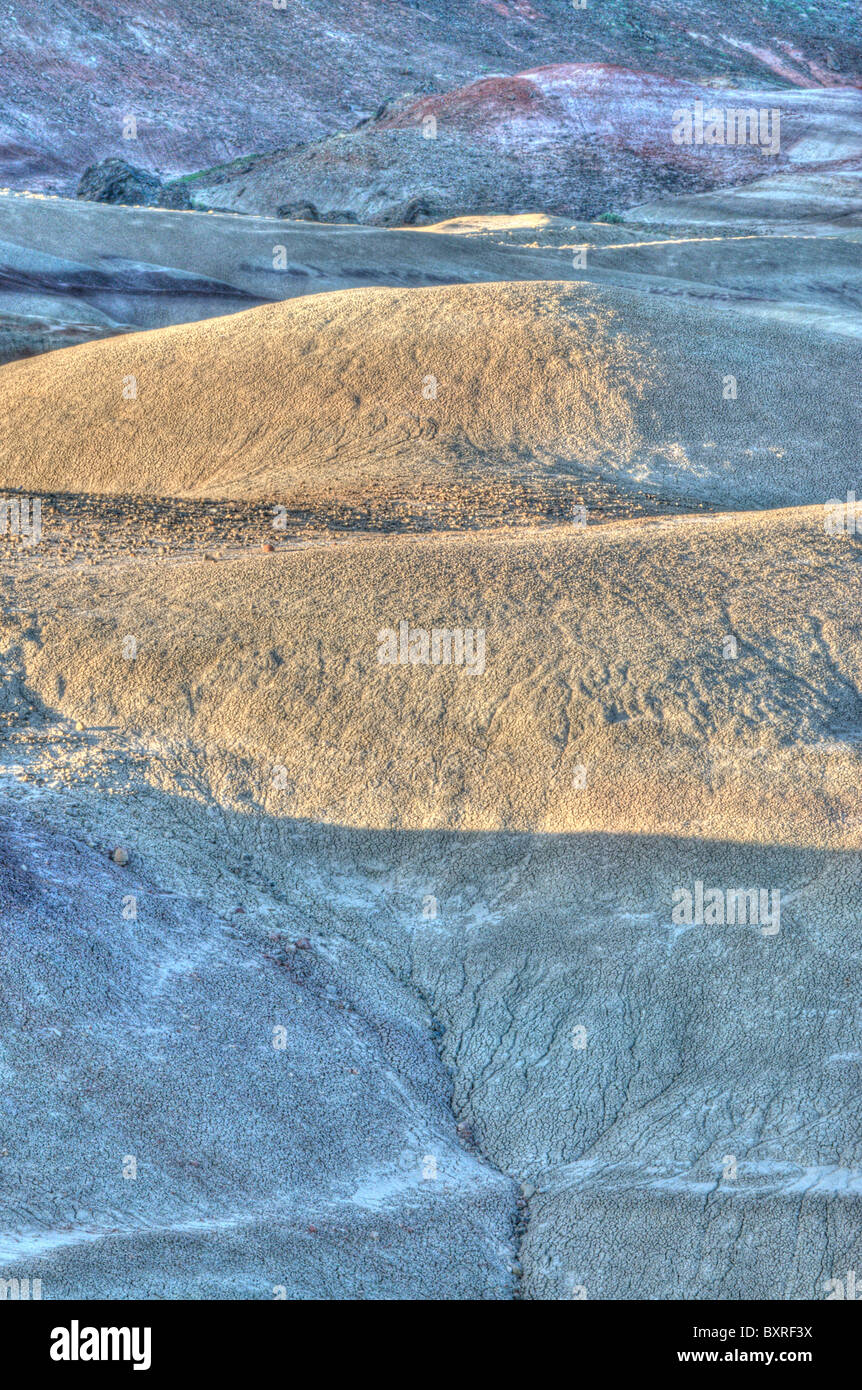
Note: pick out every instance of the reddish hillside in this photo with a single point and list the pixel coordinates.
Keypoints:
(209, 83)
(574, 140)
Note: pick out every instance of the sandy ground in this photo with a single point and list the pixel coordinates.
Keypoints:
(338, 392)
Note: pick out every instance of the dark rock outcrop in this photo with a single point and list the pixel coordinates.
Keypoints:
(413, 212)
(117, 181)
(175, 195)
(299, 212)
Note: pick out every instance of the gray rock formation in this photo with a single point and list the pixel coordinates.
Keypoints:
(298, 212)
(116, 181)
(175, 195)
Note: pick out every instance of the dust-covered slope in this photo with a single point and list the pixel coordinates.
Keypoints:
(606, 647)
(656, 706)
(337, 391)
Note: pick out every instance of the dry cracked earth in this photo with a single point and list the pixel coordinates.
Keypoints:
(430, 670)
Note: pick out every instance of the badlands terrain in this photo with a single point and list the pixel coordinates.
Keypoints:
(332, 970)
(256, 76)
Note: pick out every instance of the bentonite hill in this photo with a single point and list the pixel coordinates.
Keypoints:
(430, 661)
